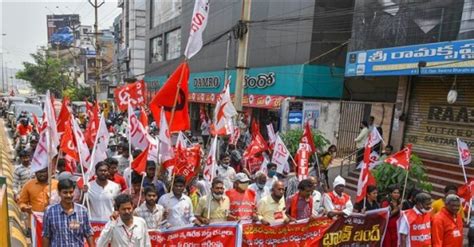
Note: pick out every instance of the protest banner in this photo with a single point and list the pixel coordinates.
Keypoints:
(218, 235)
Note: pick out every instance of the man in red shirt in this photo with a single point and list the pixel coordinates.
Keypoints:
(23, 128)
(447, 225)
(114, 175)
(242, 200)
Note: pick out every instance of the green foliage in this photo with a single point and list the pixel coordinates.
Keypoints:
(292, 139)
(46, 73)
(386, 174)
(78, 93)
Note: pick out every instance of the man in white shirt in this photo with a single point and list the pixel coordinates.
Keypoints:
(101, 193)
(225, 172)
(259, 186)
(127, 230)
(178, 206)
(318, 209)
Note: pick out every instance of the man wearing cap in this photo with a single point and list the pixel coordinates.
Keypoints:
(337, 202)
(22, 172)
(242, 200)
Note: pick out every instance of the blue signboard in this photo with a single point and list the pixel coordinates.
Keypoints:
(456, 57)
(295, 117)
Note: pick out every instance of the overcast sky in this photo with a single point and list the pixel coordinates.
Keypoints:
(24, 23)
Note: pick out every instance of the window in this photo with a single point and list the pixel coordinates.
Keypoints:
(173, 44)
(156, 49)
(163, 11)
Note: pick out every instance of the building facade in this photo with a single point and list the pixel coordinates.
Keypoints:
(293, 55)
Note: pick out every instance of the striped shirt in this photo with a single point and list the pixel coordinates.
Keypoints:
(153, 218)
(21, 175)
(66, 230)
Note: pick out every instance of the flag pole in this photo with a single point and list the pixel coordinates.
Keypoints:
(130, 156)
(176, 95)
(405, 186)
(141, 188)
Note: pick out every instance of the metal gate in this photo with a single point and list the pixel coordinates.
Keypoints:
(352, 113)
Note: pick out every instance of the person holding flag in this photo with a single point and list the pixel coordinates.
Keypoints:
(370, 201)
(219, 205)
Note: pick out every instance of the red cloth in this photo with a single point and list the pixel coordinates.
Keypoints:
(339, 202)
(242, 205)
(420, 228)
(166, 96)
(24, 130)
(307, 138)
(294, 205)
(64, 116)
(447, 231)
(391, 234)
(120, 180)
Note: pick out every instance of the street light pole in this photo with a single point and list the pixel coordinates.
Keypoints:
(3, 74)
(243, 34)
(98, 66)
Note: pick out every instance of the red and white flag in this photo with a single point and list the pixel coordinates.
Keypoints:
(198, 25)
(465, 156)
(137, 133)
(143, 117)
(209, 170)
(271, 134)
(90, 132)
(68, 145)
(374, 138)
(99, 153)
(234, 137)
(181, 141)
(224, 111)
(365, 177)
(64, 116)
(280, 155)
(41, 159)
(50, 119)
(307, 138)
(401, 158)
(82, 148)
(166, 148)
(374, 160)
(134, 93)
(302, 161)
(257, 145)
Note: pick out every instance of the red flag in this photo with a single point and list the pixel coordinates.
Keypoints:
(139, 163)
(302, 161)
(36, 122)
(92, 126)
(64, 116)
(401, 159)
(133, 92)
(365, 176)
(143, 117)
(165, 98)
(68, 144)
(307, 138)
(255, 128)
(466, 191)
(89, 107)
(257, 145)
(187, 161)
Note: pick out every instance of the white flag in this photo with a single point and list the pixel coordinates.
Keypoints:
(50, 118)
(465, 157)
(41, 158)
(166, 149)
(374, 138)
(137, 133)
(271, 134)
(224, 111)
(83, 150)
(280, 154)
(181, 141)
(99, 153)
(211, 162)
(374, 161)
(198, 24)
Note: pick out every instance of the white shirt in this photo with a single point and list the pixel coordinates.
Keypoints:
(227, 176)
(317, 203)
(327, 202)
(101, 200)
(259, 193)
(127, 175)
(180, 211)
(117, 234)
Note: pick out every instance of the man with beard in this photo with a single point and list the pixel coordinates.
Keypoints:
(271, 209)
(126, 230)
(225, 172)
(101, 193)
(22, 172)
(414, 227)
(152, 213)
(219, 204)
(66, 222)
(34, 196)
(178, 206)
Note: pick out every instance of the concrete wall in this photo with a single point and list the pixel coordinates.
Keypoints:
(329, 120)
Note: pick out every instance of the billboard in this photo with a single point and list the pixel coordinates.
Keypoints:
(60, 29)
(391, 23)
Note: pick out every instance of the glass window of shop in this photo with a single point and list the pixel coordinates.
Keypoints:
(156, 49)
(173, 44)
(164, 10)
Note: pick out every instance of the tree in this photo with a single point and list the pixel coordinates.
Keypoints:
(292, 138)
(45, 73)
(78, 93)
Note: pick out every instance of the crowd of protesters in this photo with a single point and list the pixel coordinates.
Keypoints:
(133, 203)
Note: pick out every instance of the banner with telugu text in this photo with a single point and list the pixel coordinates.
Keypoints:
(356, 230)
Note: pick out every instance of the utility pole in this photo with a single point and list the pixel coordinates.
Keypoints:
(98, 64)
(3, 73)
(243, 36)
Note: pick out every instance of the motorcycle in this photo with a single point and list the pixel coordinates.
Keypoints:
(21, 143)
